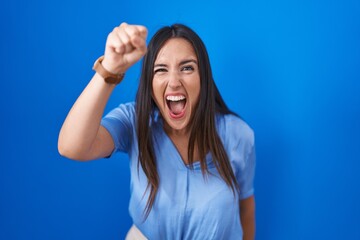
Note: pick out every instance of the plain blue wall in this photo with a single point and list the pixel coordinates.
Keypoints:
(289, 68)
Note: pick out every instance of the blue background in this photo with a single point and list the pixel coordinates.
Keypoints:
(289, 68)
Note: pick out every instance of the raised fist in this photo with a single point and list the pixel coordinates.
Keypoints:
(125, 45)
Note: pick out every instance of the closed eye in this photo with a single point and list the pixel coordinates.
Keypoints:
(187, 68)
(158, 70)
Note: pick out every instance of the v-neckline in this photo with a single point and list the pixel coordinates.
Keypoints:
(179, 161)
(196, 165)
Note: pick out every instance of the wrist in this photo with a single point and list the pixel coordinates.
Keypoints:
(108, 66)
(109, 76)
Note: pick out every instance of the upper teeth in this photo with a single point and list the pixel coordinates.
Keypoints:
(175, 98)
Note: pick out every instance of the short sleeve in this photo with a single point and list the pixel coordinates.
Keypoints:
(245, 176)
(120, 123)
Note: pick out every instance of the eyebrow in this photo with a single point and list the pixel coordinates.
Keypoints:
(181, 63)
(187, 61)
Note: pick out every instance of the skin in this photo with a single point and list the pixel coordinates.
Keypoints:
(83, 138)
(247, 217)
(176, 73)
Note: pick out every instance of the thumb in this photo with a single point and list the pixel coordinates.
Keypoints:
(139, 50)
(140, 44)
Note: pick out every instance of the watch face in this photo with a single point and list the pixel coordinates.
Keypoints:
(111, 80)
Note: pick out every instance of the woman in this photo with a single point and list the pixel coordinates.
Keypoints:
(191, 159)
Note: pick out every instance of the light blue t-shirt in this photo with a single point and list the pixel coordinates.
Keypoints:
(187, 205)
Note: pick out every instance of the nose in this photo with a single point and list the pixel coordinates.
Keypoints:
(174, 80)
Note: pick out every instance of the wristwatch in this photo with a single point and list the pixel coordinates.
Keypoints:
(108, 76)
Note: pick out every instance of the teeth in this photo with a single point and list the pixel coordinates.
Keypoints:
(175, 98)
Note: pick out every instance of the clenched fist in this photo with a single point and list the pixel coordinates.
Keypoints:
(125, 45)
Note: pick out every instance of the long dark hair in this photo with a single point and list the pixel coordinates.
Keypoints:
(202, 129)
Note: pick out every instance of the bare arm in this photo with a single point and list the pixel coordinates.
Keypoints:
(81, 136)
(247, 216)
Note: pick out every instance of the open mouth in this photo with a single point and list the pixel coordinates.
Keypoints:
(176, 105)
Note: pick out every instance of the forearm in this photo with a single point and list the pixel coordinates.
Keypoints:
(247, 216)
(81, 136)
(82, 123)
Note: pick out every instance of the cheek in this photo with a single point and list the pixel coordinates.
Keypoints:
(195, 90)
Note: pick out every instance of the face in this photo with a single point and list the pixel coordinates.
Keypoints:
(176, 83)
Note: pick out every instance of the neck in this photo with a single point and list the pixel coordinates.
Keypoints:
(180, 139)
(182, 133)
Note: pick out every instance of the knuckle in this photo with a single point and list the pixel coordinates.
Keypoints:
(120, 48)
(133, 31)
(143, 29)
(126, 41)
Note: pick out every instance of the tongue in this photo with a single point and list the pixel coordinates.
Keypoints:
(177, 107)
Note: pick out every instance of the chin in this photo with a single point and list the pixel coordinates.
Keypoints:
(176, 123)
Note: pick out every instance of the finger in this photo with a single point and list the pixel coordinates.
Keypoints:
(115, 43)
(123, 24)
(139, 51)
(125, 39)
(139, 43)
(142, 31)
(136, 30)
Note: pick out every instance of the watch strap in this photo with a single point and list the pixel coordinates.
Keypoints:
(109, 77)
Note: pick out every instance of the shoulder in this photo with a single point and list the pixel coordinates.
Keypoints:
(239, 142)
(126, 110)
(234, 130)
(122, 116)
(127, 107)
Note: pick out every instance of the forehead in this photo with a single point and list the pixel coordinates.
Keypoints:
(176, 49)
